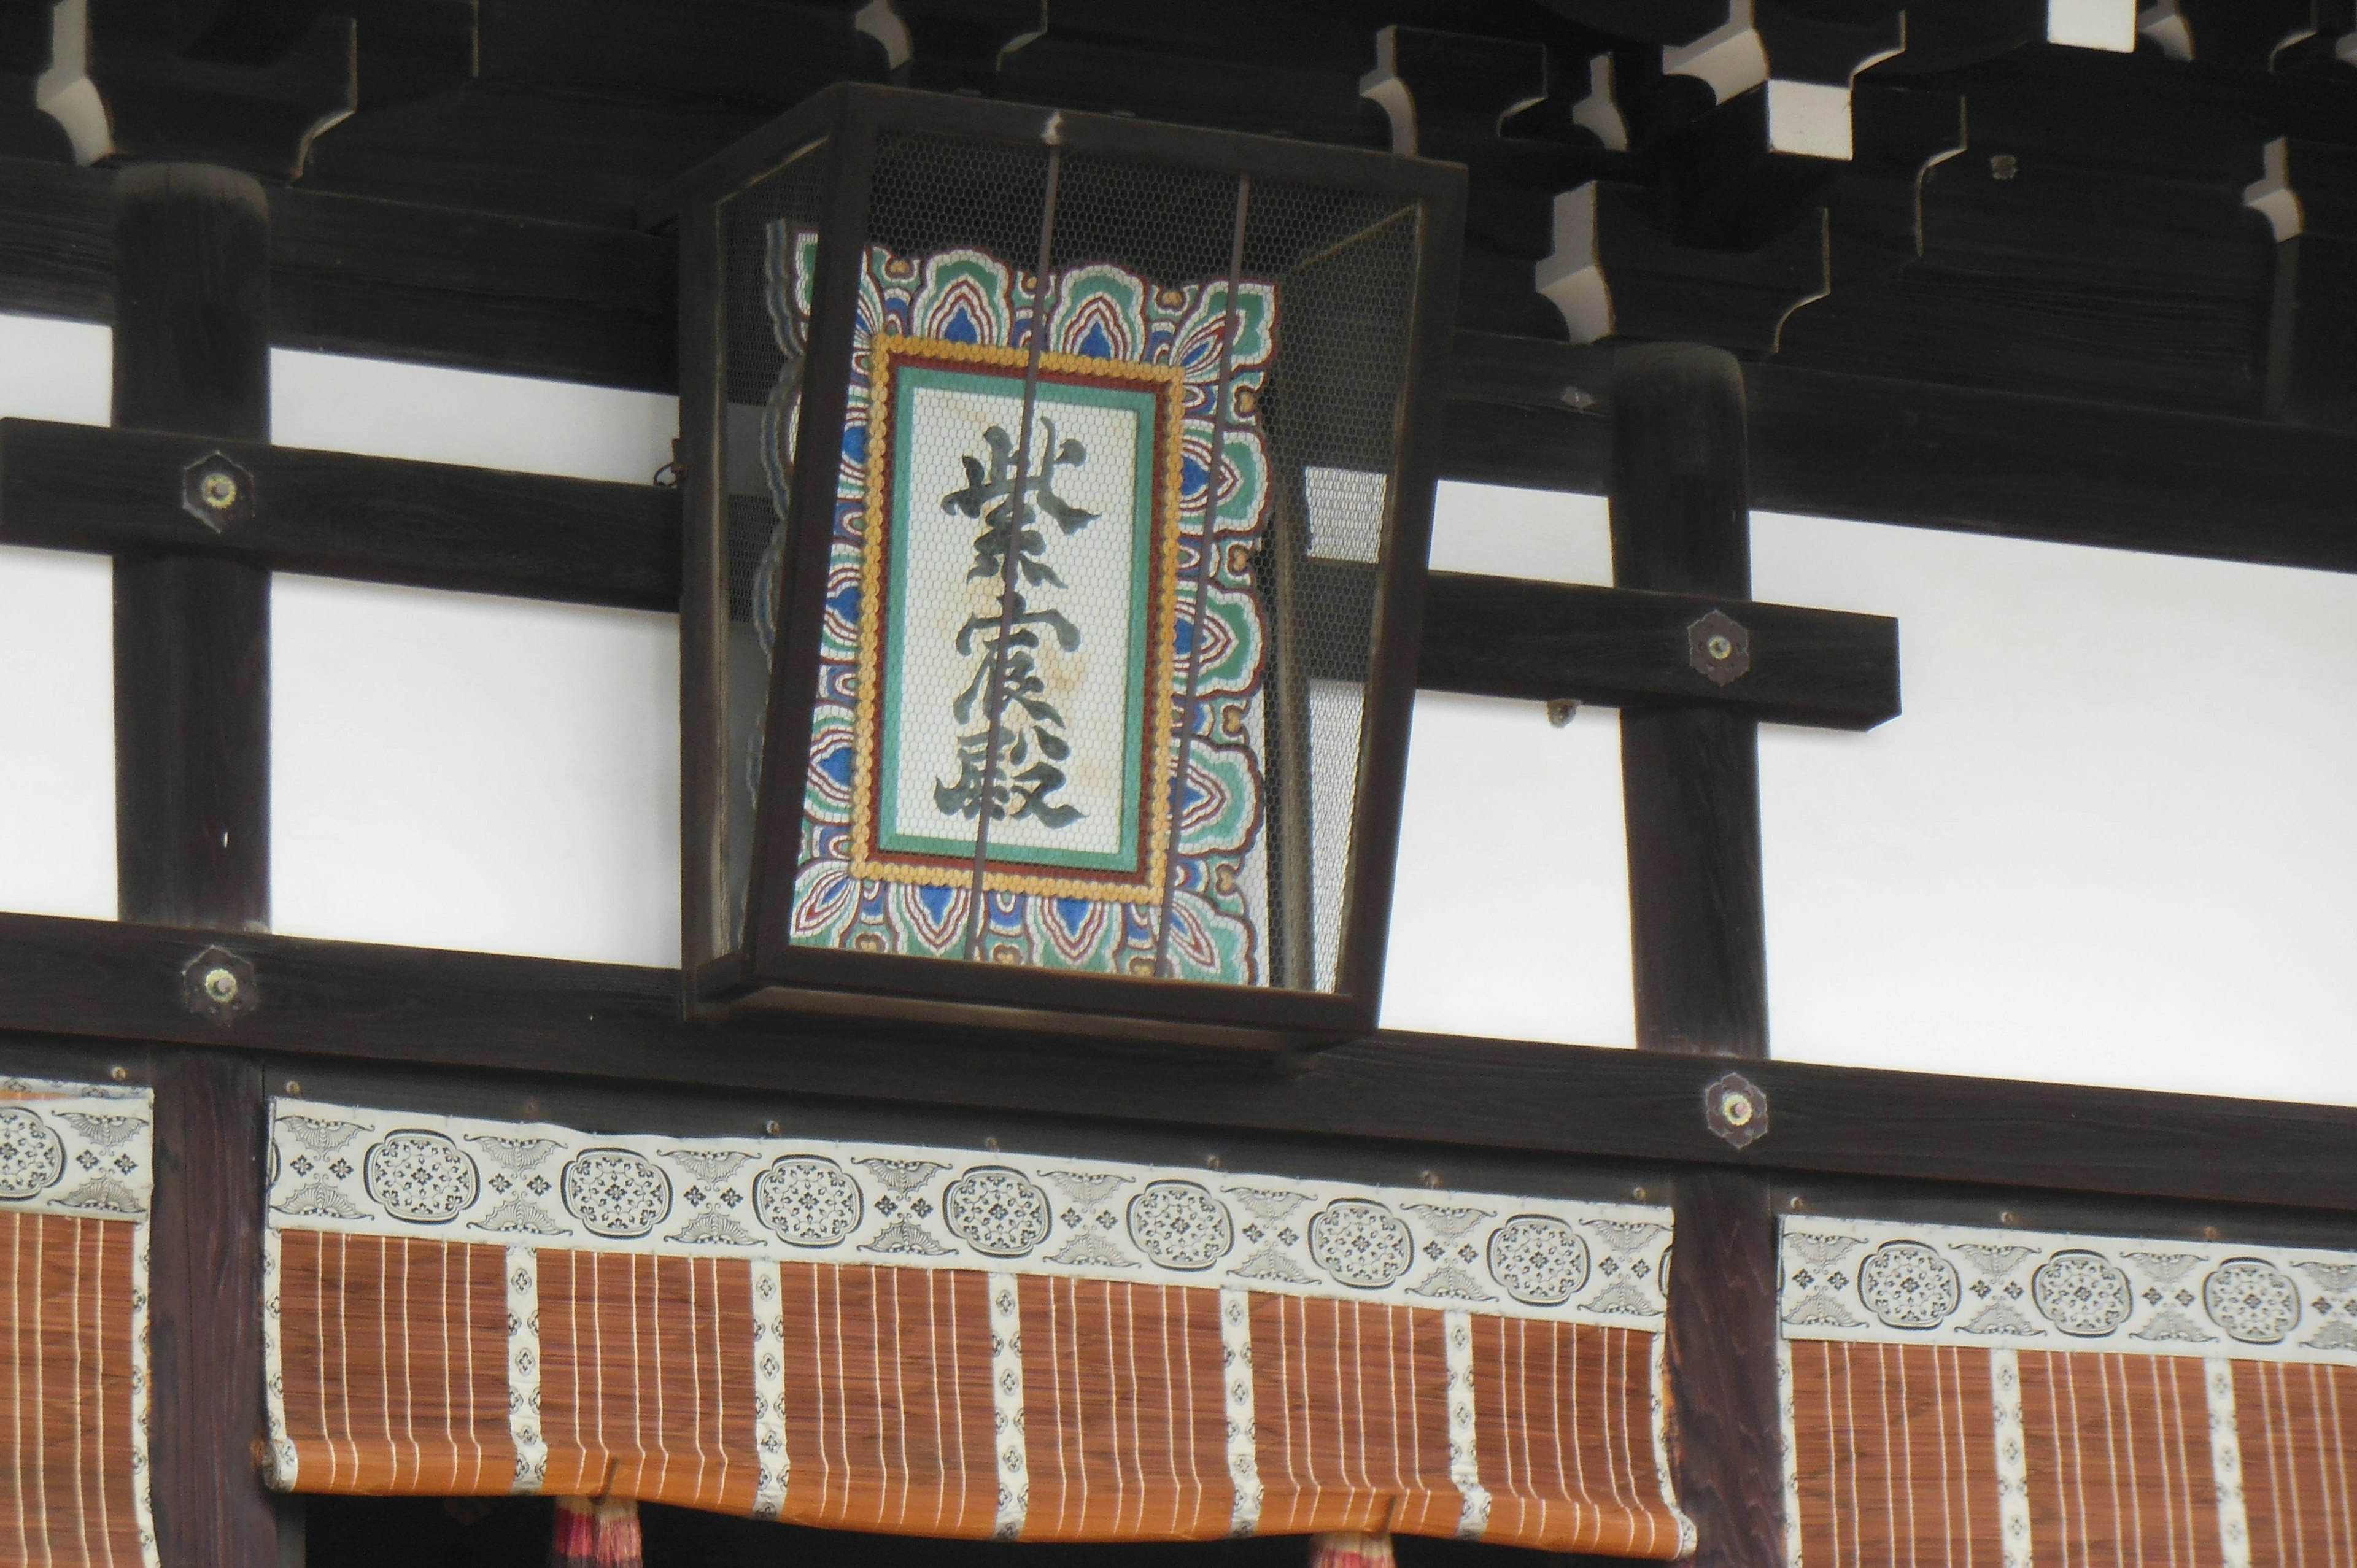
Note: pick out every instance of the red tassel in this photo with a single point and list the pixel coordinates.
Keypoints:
(1350, 1548)
(574, 1542)
(618, 1542)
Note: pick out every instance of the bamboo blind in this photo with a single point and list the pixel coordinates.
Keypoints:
(74, 1192)
(2009, 1398)
(952, 1391)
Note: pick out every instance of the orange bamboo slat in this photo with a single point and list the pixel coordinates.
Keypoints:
(927, 1342)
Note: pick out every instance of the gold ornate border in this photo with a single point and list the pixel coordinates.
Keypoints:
(1165, 520)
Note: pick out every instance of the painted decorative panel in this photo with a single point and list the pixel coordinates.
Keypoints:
(1127, 649)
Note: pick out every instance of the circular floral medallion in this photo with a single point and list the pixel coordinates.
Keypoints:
(808, 1200)
(423, 1177)
(31, 1157)
(2251, 1300)
(614, 1192)
(1908, 1286)
(996, 1211)
(2082, 1292)
(1181, 1225)
(1360, 1243)
(1538, 1260)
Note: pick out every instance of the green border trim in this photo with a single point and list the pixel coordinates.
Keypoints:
(1145, 404)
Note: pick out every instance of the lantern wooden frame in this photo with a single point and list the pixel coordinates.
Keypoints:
(764, 967)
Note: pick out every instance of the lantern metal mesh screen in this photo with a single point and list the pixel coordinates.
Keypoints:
(764, 354)
(1074, 610)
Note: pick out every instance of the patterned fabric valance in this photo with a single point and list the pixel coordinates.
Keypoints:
(2009, 1397)
(76, 1179)
(944, 1342)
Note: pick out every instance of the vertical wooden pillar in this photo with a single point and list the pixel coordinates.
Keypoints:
(191, 632)
(192, 803)
(1681, 521)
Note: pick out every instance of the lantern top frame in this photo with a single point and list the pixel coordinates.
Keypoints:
(767, 969)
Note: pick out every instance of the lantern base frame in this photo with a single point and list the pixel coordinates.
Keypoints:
(891, 988)
(865, 1006)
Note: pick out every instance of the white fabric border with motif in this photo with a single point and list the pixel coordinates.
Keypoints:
(2227, 1464)
(451, 1178)
(1898, 1284)
(88, 1151)
(1243, 1421)
(83, 1150)
(522, 1269)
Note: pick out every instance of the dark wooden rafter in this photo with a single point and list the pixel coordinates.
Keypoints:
(594, 304)
(2080, 237)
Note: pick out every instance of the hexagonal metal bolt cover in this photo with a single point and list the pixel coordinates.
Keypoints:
(1736, 1109)
(216, 491)
(1718, 647)
(218, 984)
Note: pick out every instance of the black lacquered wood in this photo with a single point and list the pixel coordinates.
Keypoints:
(1681, 522)
(439, 525)
(1622, 648)
(191, 633)
(192, 847)
(339, 514)
(205, 1418)
(441, 1012)
(1729, 1454)
(536, 296)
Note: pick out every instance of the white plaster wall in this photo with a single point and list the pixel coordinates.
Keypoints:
(464, 770)
(57, 657)
(388, 409)
(1510, 914)
(2108, 841)
(2111, 839)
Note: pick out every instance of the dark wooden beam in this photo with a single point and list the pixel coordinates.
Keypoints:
(1690, 778)
(1629, 648)
(97, 980)
(78, 486)
(191, 629)
(355, 275)
(2051, 469)
(204, 1326)
(531, 297)
(439, 525)
(1681, 522)
(192, 825)
(1826, 444)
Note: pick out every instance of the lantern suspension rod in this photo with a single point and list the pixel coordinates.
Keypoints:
(1203, 569)
(987, 803)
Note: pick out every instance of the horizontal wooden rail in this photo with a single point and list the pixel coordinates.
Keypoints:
(79, 486)
(339, 514)
(1507, 637)
(95, 980)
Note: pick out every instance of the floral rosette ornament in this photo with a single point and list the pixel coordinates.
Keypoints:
(1129, 684)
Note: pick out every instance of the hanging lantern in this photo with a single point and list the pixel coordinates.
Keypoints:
(1057, 494)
